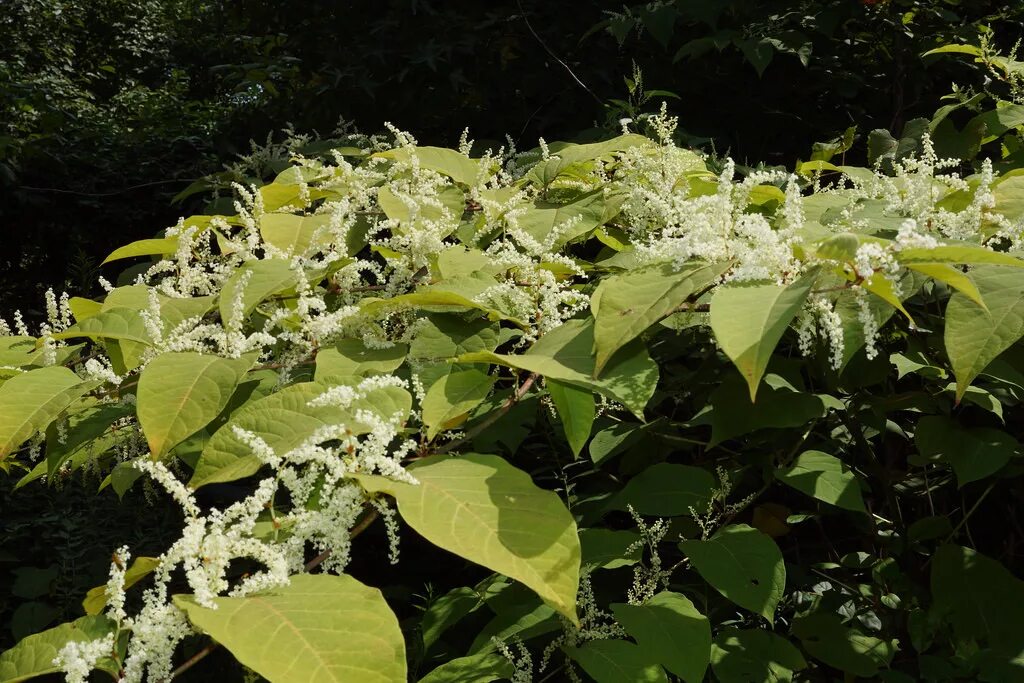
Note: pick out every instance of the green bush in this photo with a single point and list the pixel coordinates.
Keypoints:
(687, 420)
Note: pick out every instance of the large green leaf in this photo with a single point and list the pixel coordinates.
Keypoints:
(566, 155)
(671, 632)
(446, 336)
(979, 598)
(113, 323)
(454, 395)
(262, 278)
(749, 319)
(96, 599)
(456, 166)
(824, 477)
(666, 490)
(742, 564)
(625, 305)
(34, 655)
(319, 628)
(972, 453)
(754, 656)
(293, 235)
(566, 354)
(483, 509)
(353, 357)
(974, 336)
(153, 247)
(830, 641)
(482, 668)
(575, 407)
(959, 253)
(617, 661)
(181, 392)
(573, 220)
(29, 401)
(284, 420)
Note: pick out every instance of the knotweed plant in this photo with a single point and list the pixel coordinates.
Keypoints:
(354, 341)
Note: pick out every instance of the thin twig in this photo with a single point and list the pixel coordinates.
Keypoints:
(554, 56)
(106, 194)
(494, 416)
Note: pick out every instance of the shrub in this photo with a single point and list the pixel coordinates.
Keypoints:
(694, 420)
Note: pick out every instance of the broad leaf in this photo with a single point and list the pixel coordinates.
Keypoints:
(261, 279)
(742, 564)
(482, 668)
(454, 395)
(319, 628)
(972, 453)
(34, 655)
(625, 305)
(566, 354)
(292, 235)
(113, 323)
(31, 400)
(141, 567)
(828, 640)
(353, 357)
(754, 656)
(671, 632)
(824, 477)
(154, 247)
(181, 392)
(575, 407)
(487, 511)
(667, 490)
(749, 319)
(975, 336)
(456, 166)
(979, 598)
(284, 420)
(617, 661)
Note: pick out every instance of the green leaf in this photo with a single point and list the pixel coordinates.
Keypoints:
(824, 477)
(959, 253)
(828, 640)
(671, 632)
(972, 453)
(18, 351)
(83, 434)
(617, 661)
(141, 567)
(454, 395)
(451, 199)
(975, 336)
(625, 305)
(979, 598)
(292, 235)
(31, 400)
(181, 392)
(155, 247)
(566, 354)
(666, 490)
(456, 166)
(568, 155)
(113, 323)
(485, 510)
(749, 319)
(318, 628)
(447, 336)
(264, 278)
(609, 548)
(572, 220)
(482, 668)
(742, 564)
(34, 655)
(754, 656)
(576, 409)
(958, 280)
(284, 420)
(353, 357)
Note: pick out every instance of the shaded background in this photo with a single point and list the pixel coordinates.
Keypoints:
(108, 108)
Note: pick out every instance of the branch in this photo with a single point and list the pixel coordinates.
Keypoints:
(554, 56)
(494, 416)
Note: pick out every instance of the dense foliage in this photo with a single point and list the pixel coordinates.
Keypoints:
(686, 419)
